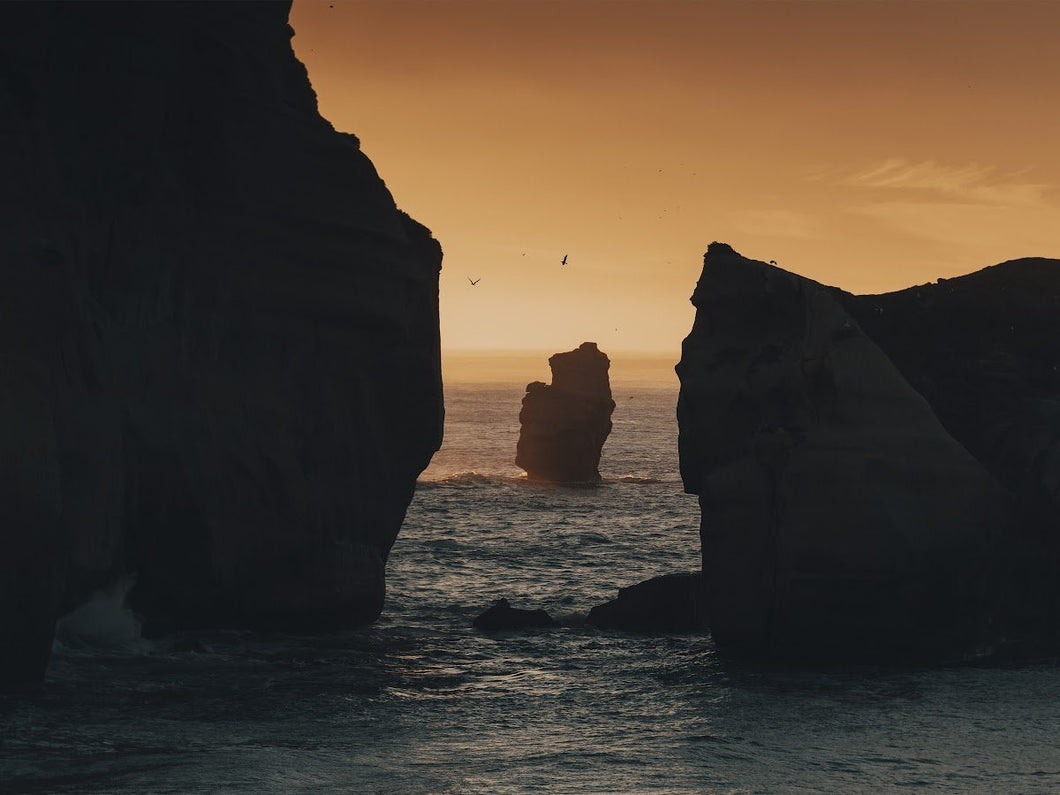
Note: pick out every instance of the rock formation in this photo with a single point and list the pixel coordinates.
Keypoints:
(501, 616)
(984, 350)
(876, 474)
(670, 603)
(565, 423)
(219, 335)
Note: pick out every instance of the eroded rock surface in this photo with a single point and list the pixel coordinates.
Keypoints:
(564, 424)
(843, 516)
(219, 335)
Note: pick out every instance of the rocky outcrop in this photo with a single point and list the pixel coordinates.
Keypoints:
(672, 603)
(564, 424)
(219, 335)
(501, 616)
(984, 351)
(830, 439)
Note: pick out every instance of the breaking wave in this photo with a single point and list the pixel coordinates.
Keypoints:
(472, 479)
(103, 622)
(633, 479)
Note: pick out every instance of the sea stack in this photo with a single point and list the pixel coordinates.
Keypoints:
(844, 516)
(564, 424)
(219, 334)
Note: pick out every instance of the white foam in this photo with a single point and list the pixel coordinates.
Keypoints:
(104, 622)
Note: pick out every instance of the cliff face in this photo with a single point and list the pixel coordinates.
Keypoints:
(984, 350)
(219, 335)
(564, 425)
(843, 516)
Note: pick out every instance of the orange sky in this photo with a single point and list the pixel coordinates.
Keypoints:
(869, 145)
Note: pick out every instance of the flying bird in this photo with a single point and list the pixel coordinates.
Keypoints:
(474, 281)
(564, 260)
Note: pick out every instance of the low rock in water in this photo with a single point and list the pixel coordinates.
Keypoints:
(503, 616)
(670, 603)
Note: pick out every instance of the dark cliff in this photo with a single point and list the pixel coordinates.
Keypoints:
(564, 424)
(877, 475)
(984, 351)
(219, 335)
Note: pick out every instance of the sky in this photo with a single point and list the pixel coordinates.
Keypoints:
(865, 144)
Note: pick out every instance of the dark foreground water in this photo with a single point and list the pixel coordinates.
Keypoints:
(422, 702)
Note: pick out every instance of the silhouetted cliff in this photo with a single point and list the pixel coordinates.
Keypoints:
(984, 350)
(877, 474)
(219, 334)
(564, 425)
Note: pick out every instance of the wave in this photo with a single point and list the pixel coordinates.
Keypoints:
(472, 478)
(442, 543)
(633, 479)
(104, 622)
(594, 538)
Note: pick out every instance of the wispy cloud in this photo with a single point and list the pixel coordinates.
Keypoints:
(972, 183)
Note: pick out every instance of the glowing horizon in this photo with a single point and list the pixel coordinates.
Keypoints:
(870, 146)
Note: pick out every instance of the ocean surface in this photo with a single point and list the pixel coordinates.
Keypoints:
(422, 702)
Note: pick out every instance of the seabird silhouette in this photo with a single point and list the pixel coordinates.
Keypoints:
(564, 260)
(474, 282)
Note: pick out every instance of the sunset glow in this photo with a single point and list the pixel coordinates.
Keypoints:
(866, 145)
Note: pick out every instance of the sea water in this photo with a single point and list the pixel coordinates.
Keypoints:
(421, 701)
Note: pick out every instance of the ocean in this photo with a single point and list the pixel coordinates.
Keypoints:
(422, 702)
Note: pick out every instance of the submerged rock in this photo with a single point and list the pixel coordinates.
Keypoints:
(219, 334)
(841, 519)
(671, 603)
(502, 616)
(564, 424)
